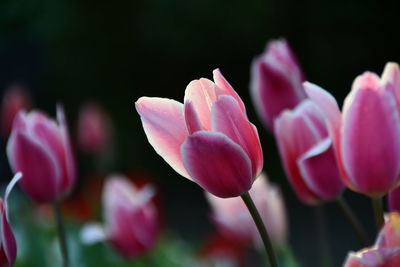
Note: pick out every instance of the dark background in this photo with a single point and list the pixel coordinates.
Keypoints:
(116, 51)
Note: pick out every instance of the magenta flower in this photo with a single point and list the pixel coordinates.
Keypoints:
(131, 218)
(276, 81)
(394, 200)
(307, 153)
(233, 219)
(208, 139)
(366, 134)
(40, 148)
(8, 245)
(385, 252)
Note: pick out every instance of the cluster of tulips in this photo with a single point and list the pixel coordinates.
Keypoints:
(210, 140)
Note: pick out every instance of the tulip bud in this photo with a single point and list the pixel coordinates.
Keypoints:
(276, 81)
(386, 251)
(209, 139)
(8, 245)
(307, 153)
(15, 98)
(232, 217)
(40, 148)
(94, 128)
(131, 218)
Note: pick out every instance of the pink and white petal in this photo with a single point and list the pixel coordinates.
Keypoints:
(320, 172)
(202, 93)
(8, 243)
(193, 123)
(9, 187)
(223, 84)
(91, 233)
(41, 171)
(289, 153)
(370, 146)
(228, 119)
(70, 163)
(217, 164)
(164, 124)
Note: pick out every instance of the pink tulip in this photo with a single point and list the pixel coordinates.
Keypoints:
(233, 218)
(94, 128)
(8, 245)
(131, 218)
(40, 148)
(276, 81)
(366, 135)
(15, 98)
(385, 252)
(307, 153)
(208, 139)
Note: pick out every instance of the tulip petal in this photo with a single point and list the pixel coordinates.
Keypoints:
(202, 93)
(70, 164)
(217, 164)
(227, 118)
(320, 172)
(92, 233)
(223, 84)
(192, 121)
(371, 145)
(394, 199)
(32, 159)
(8, 243)
(164, 124)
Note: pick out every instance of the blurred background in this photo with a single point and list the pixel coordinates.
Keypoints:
(114, 52)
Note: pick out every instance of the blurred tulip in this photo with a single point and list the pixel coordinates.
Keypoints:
(94, 128)
(394, 200)
(8, 245)
(366, 135)
(15, 98)
(385, 252)
(40, 148)
(233, 218)
(208, 139)
(276, 81)
(131, 219)
(307, 153)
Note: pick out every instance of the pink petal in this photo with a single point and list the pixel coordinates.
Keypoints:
(217, 164)
(223, 84)
(70, 164)
(192, 121)
(202, 93)
(391, 78)
(164, 124)
(227, 118)
(40, 168)
(8, 243)
(394, 199)
(370, 143)
(320, 172)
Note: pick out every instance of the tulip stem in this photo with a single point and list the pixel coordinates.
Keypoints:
(353, 220)
(61, 232)
(378, 210)
(261, 228)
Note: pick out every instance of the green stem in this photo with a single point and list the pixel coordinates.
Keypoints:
(261, 228)
(325, 249)
(378, 210)
(61, 233)
(353, 220)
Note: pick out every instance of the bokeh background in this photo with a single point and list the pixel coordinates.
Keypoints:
(71, 51)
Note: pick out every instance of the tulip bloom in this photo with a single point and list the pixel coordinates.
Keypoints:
(366, 135)
(385, 252)
(307, 153)
(8, 245)
(276, 82)
(208, 139)
(15, 98)
(40, 148)
(232, 217)
(131, 218)
(94, 128)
